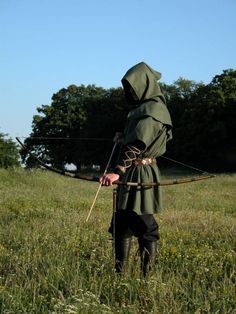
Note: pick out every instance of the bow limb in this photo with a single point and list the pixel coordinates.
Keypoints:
(65, 173)
(96, 179)
(166, 182)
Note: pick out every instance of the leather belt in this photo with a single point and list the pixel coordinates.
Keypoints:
(144, 161)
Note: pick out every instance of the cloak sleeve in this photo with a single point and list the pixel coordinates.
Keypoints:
(140, 135)
(144, 130)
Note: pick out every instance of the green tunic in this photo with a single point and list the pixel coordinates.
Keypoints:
(149, 123)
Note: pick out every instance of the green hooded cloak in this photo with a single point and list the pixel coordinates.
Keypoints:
(148, 124)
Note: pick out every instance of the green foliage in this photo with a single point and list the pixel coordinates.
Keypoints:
(203, 119)
(208, 135)
(51, 261)
(178, 97)
(77, 112)
(9, 155)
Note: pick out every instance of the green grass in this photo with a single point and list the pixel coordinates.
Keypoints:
(51, 261)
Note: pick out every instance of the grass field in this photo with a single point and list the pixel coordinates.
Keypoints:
(51, 261)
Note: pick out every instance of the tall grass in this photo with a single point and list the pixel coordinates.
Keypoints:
(51, 261)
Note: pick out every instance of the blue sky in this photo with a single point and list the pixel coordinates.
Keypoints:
(49, 44)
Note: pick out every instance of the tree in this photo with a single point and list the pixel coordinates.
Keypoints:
(76, 112)
(9, 155)
(178, 96)
(208, 135)
(203, 118)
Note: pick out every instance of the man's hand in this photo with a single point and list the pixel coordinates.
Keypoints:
(108, 178)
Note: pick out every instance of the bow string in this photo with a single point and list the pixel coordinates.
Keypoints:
(205, 175)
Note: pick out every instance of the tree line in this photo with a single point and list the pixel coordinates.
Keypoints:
(9, 154)
(78, 126)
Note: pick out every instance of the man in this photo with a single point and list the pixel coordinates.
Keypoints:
(148, 128)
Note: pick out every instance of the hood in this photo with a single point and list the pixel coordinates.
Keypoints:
(142, 90)
(140, 84)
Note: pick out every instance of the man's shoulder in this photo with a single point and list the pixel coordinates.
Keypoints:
(151, 108)
(141, 110)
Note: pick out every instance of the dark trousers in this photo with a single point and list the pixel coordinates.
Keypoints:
(126, 224)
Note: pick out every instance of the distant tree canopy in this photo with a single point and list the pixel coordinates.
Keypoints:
(77, 112)
(203, 117)
(205, 132)
(9, 155)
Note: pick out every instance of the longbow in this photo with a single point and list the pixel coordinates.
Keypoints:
(96, 179)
